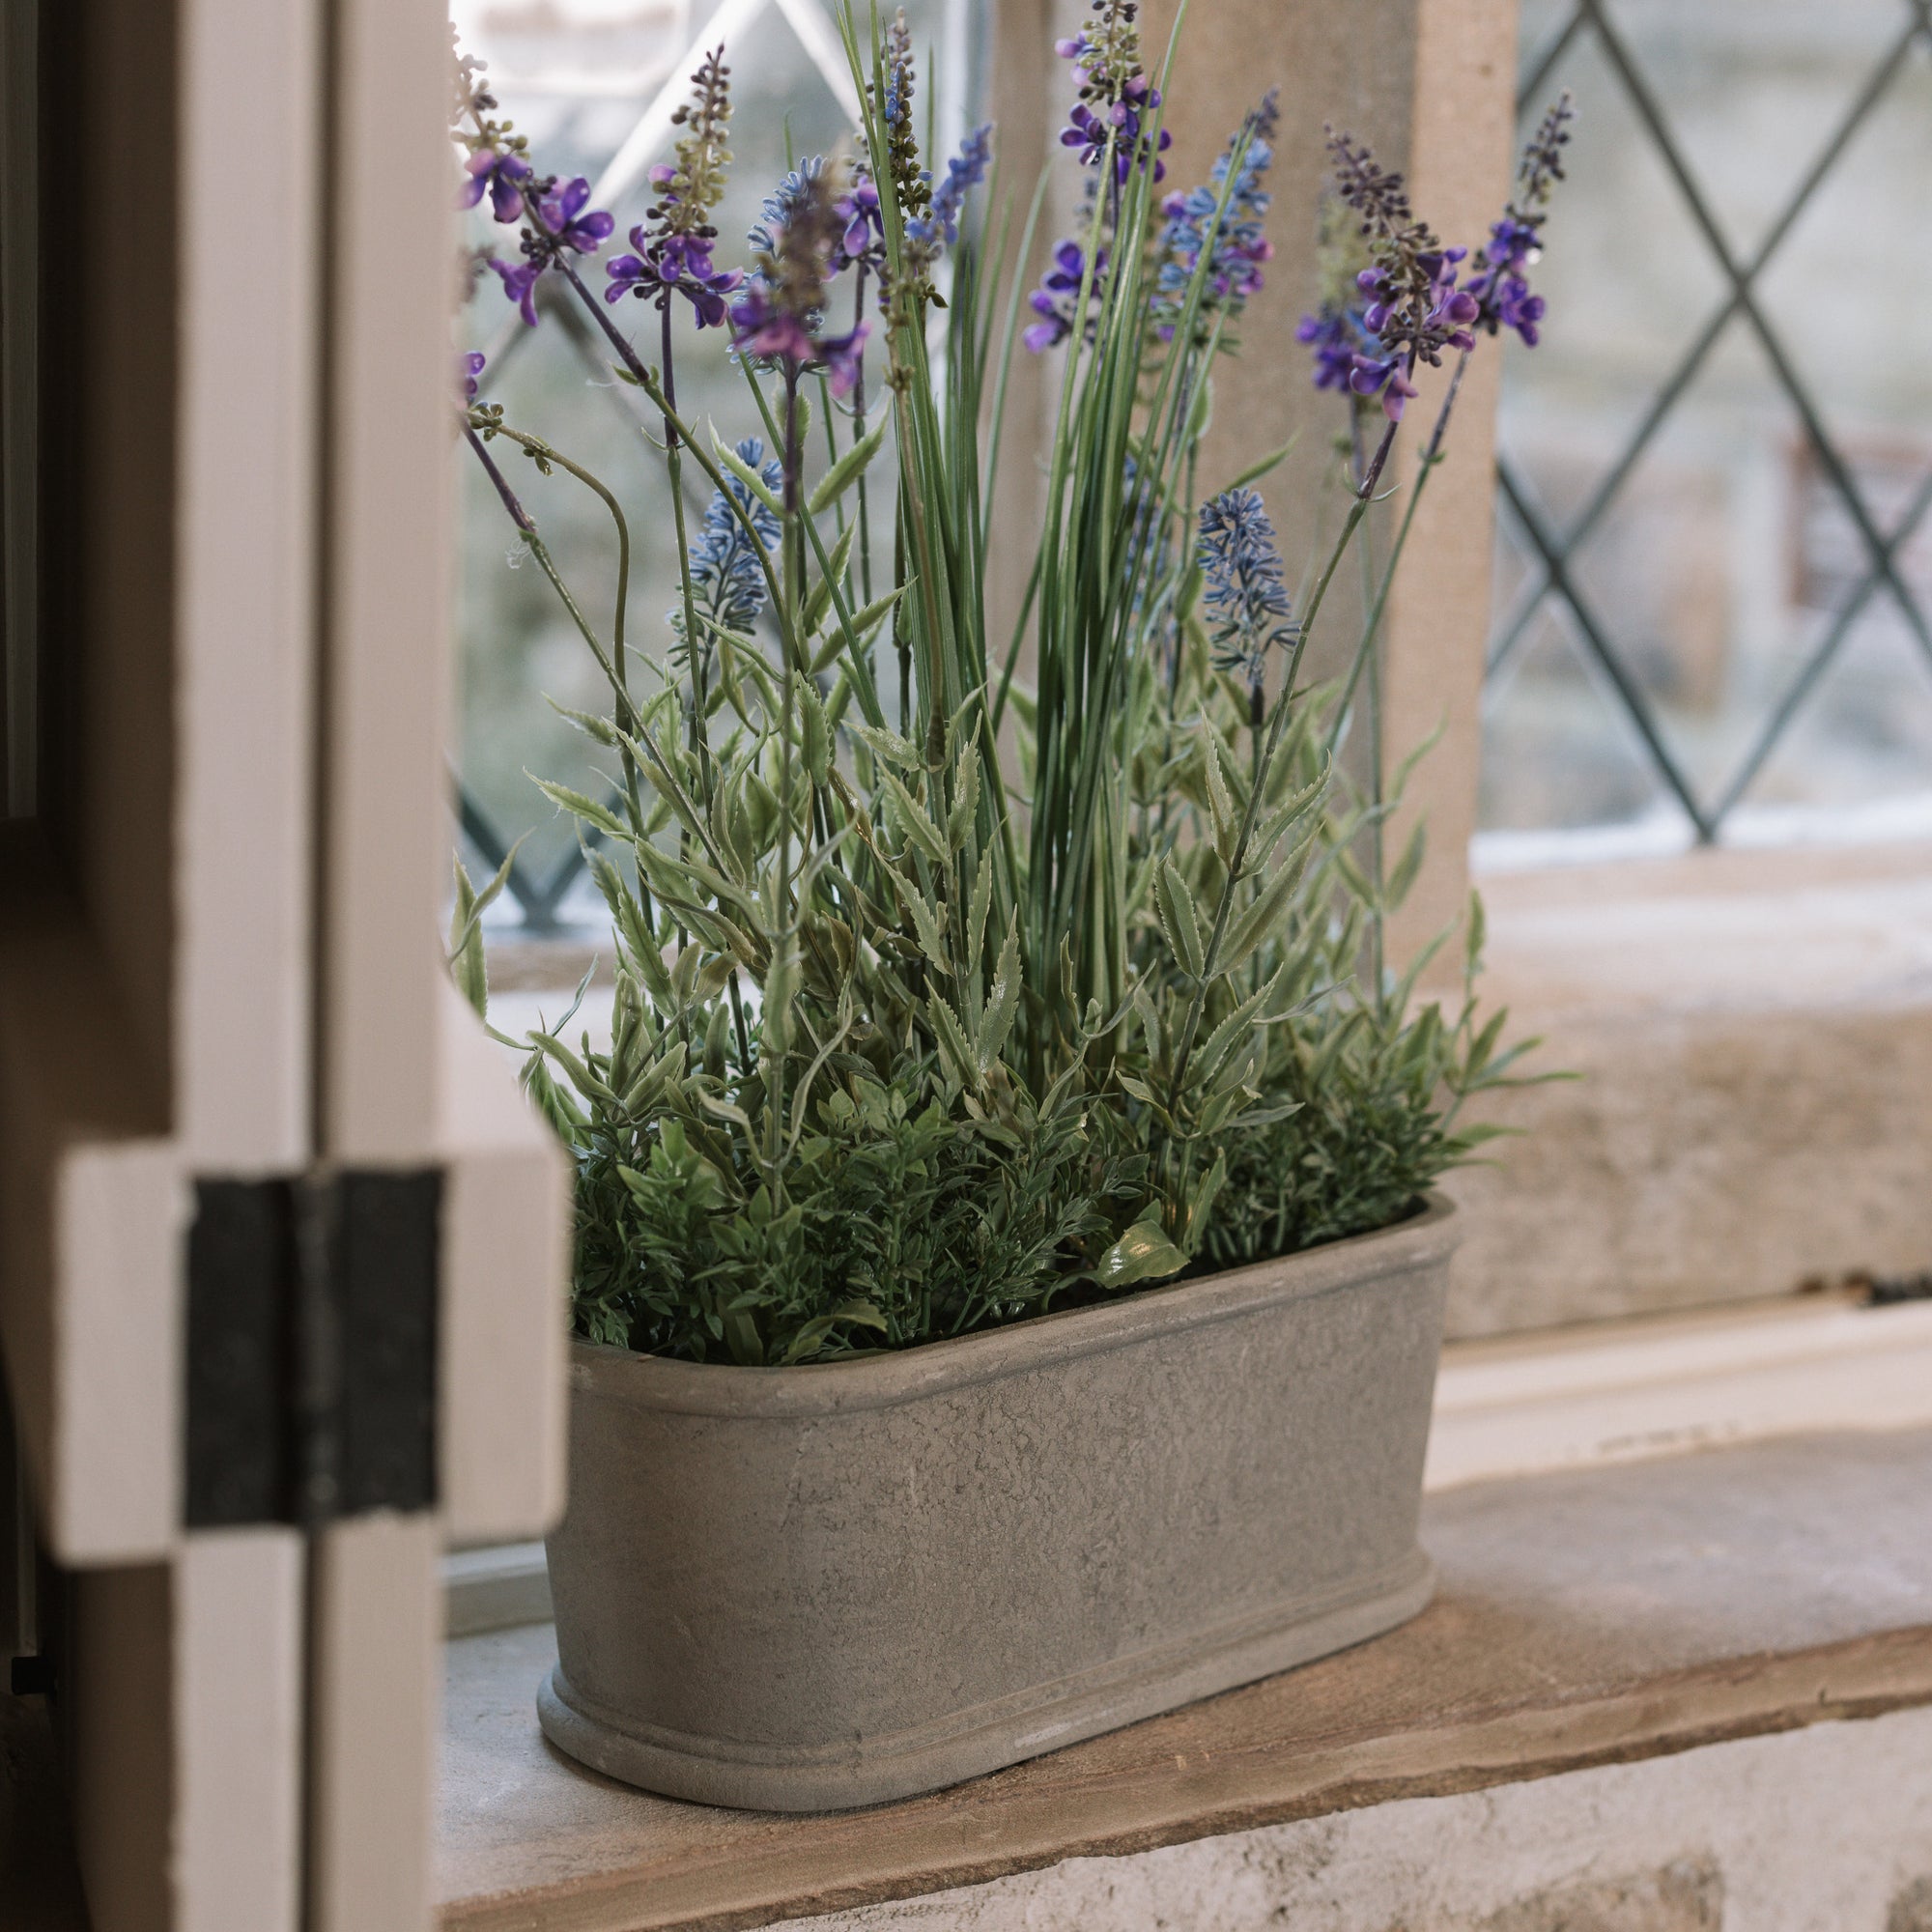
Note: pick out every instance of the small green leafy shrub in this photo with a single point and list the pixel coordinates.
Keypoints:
(900, 1222)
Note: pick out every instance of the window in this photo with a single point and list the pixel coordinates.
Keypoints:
(1714, 612)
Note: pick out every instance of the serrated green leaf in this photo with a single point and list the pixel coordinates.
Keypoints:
(848, 470)
(889, 747)
(1478, 935)
(1002, 1004)
(1221, 806)
(927, 920)
(815, 733)
(819, 599)
(910, 818)
(781, 988)
(584, 808)
(1179, 919)
(1263, 919)
(1402, 876)
(1201, 1203)
(466, 929)
(951, 1039)
(744, 472)
(588, 723)
(959, 820)
(1254, 472)
(976, 910)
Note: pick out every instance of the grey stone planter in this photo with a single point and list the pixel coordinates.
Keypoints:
(801, 1589)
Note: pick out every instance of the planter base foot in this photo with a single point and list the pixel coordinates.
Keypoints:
(839, 1776)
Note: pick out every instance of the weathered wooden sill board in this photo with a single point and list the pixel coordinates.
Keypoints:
(1585, 1618)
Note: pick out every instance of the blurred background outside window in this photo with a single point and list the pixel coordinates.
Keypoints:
(1715, 556)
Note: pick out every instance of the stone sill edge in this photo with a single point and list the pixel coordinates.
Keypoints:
(1866, 1678)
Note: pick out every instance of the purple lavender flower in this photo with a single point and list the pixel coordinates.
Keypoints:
(769, 332)
(1514, 244)
(675, 241)
(1237, 246)
(897, 110)
(1337, 337)
(1518, 309)
(1414, 309)
(693, 185)
(1242, 584)
(863, 242)
(1383, 377)
(557, 225)
(1058, 295)
(782, 311)
(1090, 131)
(1501, 290)
(1447, 311)
(561, 213)
(674, 265)
(965, 171)
(1114, 95)
(1504, 300)
(503, 174)
(912, 185)
(930, 231)
(468, 368)
(1087, 131)
(520, 284)
(672, 245)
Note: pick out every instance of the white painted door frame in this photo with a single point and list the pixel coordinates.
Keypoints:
(218, 947)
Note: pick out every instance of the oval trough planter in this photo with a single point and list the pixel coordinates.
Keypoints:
(803, 1589)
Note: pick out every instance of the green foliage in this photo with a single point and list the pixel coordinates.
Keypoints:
(902, 1221)
(910, 1037)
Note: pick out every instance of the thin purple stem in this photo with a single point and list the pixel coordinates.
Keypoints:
(518, 514)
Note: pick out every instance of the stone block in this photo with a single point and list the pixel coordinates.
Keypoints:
(1754, 1033)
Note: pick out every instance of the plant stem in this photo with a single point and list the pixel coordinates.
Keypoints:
(1284, 703)
(627, 714)
(518, 514)
(698, 652)
(859, 435)
(789, 574)
(1432, 455)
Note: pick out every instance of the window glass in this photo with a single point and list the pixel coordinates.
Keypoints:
(1714, 612)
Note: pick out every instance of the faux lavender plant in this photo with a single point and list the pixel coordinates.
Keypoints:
(907, 1039)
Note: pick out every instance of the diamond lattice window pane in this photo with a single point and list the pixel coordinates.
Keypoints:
(1729, 416)
(1560, 752)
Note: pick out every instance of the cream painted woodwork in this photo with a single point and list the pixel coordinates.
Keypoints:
(220, 954)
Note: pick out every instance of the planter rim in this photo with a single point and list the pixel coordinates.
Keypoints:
(732, 1390)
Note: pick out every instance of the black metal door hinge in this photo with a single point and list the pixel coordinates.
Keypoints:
(311, 1348)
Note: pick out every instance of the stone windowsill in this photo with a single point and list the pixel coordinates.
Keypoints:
(1585, 1618)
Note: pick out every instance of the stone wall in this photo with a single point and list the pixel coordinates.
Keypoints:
(1824, 1830)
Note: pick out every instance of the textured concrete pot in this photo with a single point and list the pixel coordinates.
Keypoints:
(801, 1589)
